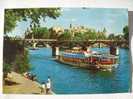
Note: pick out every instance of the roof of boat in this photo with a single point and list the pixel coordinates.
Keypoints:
(104, 55)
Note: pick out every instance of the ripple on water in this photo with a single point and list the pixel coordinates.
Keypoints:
(70, 80)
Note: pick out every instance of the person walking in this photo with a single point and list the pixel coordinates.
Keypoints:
(48, 86)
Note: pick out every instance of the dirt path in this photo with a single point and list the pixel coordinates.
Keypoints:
(22, 85)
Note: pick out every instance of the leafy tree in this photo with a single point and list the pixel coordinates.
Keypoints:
(16, 59)
(12, 16)
(104, 30)
(111, 37)
(55, 34)
(38, 33)
(6, 69)
(78, 37)
(90, 34)
(65, 36)
(119, 37)
(101, 35)
(126, 32)
(21, 63)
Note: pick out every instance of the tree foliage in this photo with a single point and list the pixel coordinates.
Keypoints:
(38, 33)
(90, 34)
(111, 37)
(78, 37)
(124, 36)
(12, 16)
(15, 57)
(65, 36)
(104, 30)
(126, 32)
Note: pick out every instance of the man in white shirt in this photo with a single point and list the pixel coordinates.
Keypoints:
(48, 86)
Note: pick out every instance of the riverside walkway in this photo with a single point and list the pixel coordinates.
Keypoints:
(22, 85)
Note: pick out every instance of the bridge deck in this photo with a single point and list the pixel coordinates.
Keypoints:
(53, 40)
(47, 40)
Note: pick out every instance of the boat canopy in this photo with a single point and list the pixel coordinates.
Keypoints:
(74, 55)
(104, 56)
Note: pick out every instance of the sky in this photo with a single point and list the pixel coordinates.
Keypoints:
(97, 18)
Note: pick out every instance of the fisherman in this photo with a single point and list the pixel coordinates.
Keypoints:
(48, 85)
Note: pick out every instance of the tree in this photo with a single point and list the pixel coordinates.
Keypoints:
(111, 36)
(12, 16)
(6, 69)
(16, 59)
(53, 34)
(126, 32)
(119, 37)
(90, 34)
(38, 33)
(78, 37)
(101, 35)
(65, 36)
(104, 30)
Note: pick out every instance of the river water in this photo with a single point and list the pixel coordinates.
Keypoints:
(70, 80)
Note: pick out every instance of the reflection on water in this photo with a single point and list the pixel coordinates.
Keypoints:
(70, 80)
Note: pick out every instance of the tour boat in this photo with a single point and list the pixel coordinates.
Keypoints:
(89, 59)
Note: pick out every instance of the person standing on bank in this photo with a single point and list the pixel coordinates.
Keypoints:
(43, 87)
(48, 86)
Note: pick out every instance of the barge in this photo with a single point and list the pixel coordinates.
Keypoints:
(89, 59)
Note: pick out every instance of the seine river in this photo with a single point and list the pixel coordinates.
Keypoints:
(70, 80)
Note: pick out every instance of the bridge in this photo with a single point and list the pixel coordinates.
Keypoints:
(38, 40)
(80, 42)
(55, 44)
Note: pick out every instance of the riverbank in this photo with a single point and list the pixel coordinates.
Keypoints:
(18, 84)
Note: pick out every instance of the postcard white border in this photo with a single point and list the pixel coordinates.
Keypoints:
(60, 3)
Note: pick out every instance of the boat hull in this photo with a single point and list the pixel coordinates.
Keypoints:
(79, 63)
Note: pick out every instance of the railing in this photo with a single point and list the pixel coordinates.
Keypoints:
(54, 40)
(98, 40)
(48, 40)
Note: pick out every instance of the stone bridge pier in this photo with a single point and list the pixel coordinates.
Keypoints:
(55, 51)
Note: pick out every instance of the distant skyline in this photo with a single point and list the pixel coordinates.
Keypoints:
(97, 18)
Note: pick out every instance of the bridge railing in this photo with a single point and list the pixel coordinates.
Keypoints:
(54, 40)
(48, 40)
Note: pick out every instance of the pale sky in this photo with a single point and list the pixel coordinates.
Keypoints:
(112, 19)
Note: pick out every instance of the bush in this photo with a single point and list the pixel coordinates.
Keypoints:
(22, 63)
(6, 69)
(15, 56)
